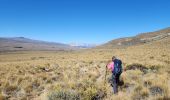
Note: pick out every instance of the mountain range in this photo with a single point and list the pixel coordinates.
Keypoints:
(22, 43)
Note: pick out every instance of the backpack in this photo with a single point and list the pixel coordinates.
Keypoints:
(117, 67)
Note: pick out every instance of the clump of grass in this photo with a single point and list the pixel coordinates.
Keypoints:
(121, 96)
(28, 89)
(10, 89)
(143, 68)
(99, 95)
(140, 93)
(132, 77)
(35, 84)
(63, 95)
(159, 90)
(155, 90)
(2, 97)
(91, 62)
(137, 66)
(151, 57)
(155, 67)
(163, 98)
(89, 93)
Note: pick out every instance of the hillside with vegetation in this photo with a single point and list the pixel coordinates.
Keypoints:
(139, 39)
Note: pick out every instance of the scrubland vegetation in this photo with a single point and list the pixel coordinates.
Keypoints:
(80, 75)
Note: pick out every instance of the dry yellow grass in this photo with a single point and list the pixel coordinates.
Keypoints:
(80, 74)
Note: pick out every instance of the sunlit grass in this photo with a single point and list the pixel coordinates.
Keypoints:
(32, 74)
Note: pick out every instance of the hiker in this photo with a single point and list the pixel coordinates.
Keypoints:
(115, 66)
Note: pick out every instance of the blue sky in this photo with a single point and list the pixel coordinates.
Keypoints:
(83, 21)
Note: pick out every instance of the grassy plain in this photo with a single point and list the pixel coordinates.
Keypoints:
(74, 75)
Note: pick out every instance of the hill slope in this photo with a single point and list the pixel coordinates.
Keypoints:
(138, 39)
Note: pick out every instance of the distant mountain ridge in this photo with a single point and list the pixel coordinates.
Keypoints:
(139, 39)
(22, 43)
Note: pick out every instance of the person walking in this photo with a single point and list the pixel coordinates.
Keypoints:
(115, 66)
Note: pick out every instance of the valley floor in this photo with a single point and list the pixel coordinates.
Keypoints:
(81, 74)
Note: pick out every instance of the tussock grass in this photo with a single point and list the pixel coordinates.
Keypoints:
(81, 74)
(63, 95)
(2, 97)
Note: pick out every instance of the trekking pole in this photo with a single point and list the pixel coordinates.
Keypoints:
(105, 76)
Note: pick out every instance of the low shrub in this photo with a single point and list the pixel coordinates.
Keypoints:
(143, 68)
(136, 66)
(155, 90)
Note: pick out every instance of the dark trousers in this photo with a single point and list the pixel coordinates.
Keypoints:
(115, 82)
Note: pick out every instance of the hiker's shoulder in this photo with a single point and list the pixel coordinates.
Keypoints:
(118, 60)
